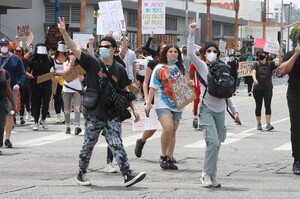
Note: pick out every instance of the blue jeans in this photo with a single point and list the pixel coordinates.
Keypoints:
(113, 137)
(214, 132)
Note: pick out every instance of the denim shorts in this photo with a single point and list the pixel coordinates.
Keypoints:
(166, 111)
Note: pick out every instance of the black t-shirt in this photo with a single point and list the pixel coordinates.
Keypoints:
(40, 66)
(96, 79)
(233, 68)
(152, 64)
(264, 75)
(294, 75)
(4, 76)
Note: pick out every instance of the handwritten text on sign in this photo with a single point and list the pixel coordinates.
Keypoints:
(245, 68)
(153, 16)
(23, 31)
(272, 46)
(183, 93)
(146, 123)
(110, 17)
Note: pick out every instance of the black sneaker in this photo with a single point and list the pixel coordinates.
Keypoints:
(296, 167)
(22, 121)
(82, 179)
(77, 130)
(138, 148)
(163, 162)
(8, 144)
(195, 123)
(68, 130)
(130, 179)
(171, 164)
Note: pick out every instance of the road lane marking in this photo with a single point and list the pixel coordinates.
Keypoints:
(45, 140)
(130, 140)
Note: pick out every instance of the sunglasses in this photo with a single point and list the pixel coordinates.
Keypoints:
(105, 46)
(214, 51)
(18, 51)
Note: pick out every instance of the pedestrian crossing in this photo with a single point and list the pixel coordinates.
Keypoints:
(129, 140)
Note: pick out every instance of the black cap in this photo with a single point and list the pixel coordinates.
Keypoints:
(209, 44)
(111, 40)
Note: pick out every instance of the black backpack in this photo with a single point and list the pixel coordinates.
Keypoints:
(220, 83)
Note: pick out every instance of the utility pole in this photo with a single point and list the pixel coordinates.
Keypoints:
(186, 21)
(264, 19)
(281, 27)
(139, 25)
(82, 15)
(56, 11)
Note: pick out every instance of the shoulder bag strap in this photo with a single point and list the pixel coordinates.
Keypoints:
(5, 62)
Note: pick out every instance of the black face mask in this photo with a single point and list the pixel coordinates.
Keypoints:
(261, 57)
(184, 51)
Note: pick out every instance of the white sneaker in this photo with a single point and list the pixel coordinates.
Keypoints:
(206, 181)
(109, 168)
(36, 127)
(28, 116)
(43, 123)
(215, 183)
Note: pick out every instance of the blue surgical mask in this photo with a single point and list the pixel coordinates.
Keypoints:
(172, 61)
(104, 53)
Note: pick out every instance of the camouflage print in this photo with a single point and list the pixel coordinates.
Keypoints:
(93, 127)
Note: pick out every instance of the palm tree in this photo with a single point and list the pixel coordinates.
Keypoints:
(208, 3)
(236, 23)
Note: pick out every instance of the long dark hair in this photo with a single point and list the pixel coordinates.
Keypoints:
(57, 52)
(164, 60)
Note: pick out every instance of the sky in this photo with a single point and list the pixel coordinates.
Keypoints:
(272, 2)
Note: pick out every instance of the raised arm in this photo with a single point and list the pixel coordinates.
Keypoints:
(147, 48)
(70, 43)
(199, 64)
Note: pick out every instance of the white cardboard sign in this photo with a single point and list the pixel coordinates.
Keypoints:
(153, 16)
(110, 17)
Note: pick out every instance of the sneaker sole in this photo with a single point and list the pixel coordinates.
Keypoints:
(135, 180)
(84, 183)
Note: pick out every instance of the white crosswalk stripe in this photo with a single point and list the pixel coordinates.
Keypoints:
(44, 140)
(285, 147)
(131, 140)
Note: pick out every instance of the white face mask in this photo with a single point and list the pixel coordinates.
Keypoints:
(231, 58)
(4, 50)
(211, 57)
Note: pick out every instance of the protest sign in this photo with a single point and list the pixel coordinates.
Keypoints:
(73, 73)
(44, 77)
(245, 68)
(110, 17)
(81, 39)
(54, 36)
(259, 43)
(183, 93)
(145, 123)
(23, 31)
(222, 46)
(153, 16)
(29, 39)
(140, 66)
(272, 46)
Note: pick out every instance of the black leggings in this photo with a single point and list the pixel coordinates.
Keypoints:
(58, 101)
(259, 96)
(25, 100)
(40, 99)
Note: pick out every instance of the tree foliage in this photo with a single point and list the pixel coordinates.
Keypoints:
(294, 35)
